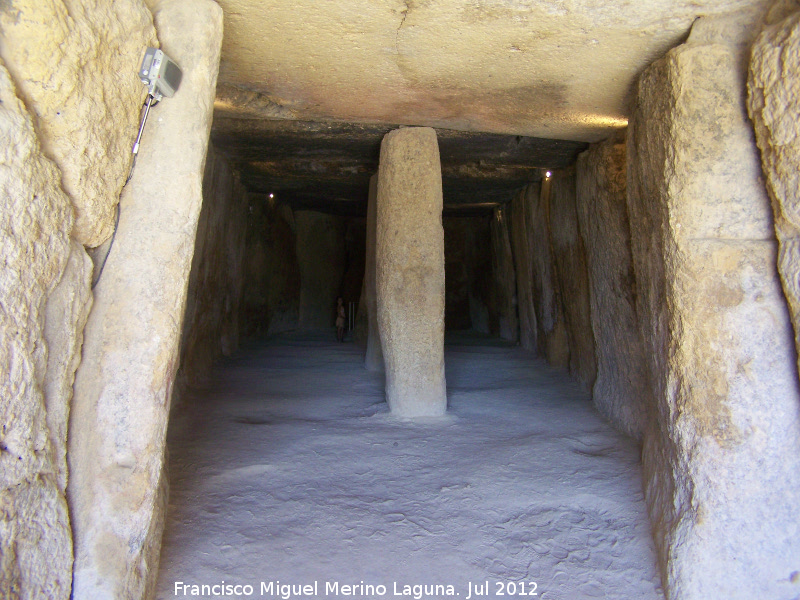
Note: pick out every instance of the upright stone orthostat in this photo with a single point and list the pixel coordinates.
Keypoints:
(551, 333)
(40, 324)
(721, 454)
(521, 227)
(506, 279)
(773, 86)
(116, 447)
(410, 272)
(621, 390)
(373, 359)
(569, 258)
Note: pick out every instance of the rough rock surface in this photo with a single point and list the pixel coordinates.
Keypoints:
(373, 359)
(211, 319)
(87, 110)
(523, 264)
(722, 455)
(321, 257)
(67, 310)
(558, 69)
(621, 389)
(120, 409)
(774, 93)
(505, 282)
(569, 255)
(551, 334)
(35, 223)
(409, 258)
(272, 275)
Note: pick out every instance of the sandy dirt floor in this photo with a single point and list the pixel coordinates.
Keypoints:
(289, 475)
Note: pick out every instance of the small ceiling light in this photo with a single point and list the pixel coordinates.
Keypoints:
(548, 174)
(271, 196)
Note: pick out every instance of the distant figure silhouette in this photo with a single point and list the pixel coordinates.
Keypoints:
(340, 319)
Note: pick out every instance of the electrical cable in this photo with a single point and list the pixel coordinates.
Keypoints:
(147, 105)
(96, 278)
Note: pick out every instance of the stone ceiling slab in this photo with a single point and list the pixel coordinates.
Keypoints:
(545, 68)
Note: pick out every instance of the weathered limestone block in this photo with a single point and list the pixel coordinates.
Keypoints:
(373, 359)
(505, 280)
(552, 332)
(573, 277)
(211, 319)
(87, 109)
(774, 104)
(409, 257)
(321, 256)
(621, 389)
(124, 383)
(35, 223)
(722, 455)
(523, 265)
(67, 309)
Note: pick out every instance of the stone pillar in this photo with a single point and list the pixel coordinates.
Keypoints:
(373, 360)
(573, 277)
(123, 386)
(505, 280)
(773, 90)
(621, 390)
(409, 252)
(722, 454)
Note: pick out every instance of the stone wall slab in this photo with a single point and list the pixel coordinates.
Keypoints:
(121, 406)
(621, 389)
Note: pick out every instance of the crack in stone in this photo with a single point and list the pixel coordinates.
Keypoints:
(399, 27)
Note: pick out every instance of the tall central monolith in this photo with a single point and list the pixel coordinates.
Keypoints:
(410, 272)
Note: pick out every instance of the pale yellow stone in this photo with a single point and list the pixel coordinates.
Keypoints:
(558, 69)
(123, 386)
(409, 258)
(35, 221)
(774, 103)
(721, 452)
(76, 65)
